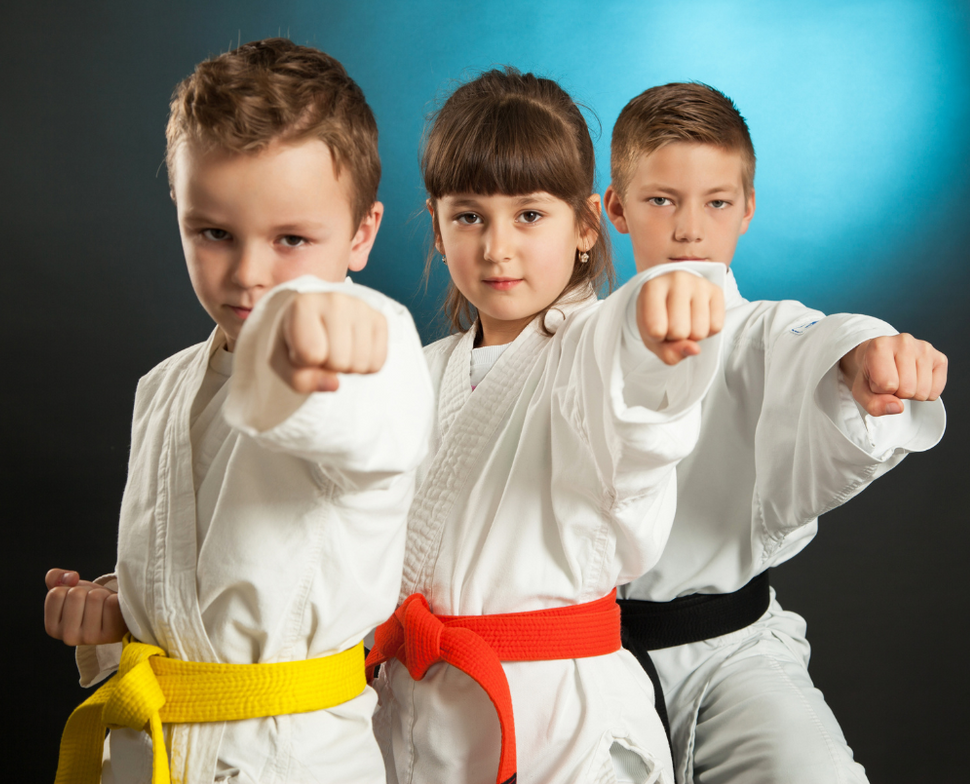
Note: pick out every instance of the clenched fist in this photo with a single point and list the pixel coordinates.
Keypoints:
(323, 334)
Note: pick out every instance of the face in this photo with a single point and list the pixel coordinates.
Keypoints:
(685, 202)
(510, 256)
(252, 221)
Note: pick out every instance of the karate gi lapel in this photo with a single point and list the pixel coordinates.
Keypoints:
(467, 423)
(174, 584)
(175, 598)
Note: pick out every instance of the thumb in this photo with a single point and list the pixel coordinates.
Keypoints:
(57, 577)
(875, 403)
(671, 352)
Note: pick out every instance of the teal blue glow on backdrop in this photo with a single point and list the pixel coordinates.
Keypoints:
(858, 111)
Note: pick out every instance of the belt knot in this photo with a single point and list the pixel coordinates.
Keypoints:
(422, 635)
(136, 697)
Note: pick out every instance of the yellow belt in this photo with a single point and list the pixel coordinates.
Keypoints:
(150, 689)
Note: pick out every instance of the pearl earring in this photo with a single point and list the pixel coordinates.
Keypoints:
(583, 257)
(443, 259)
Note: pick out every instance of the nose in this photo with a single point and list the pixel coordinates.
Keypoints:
(499, 242)
(687, 227)
(249, 269)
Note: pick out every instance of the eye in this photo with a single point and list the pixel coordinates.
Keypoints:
(659, 201)
(467, 218)
(215, 235)
(530, 216)
(292, 240)
(719, 204)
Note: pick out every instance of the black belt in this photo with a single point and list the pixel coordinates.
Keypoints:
(650, 626)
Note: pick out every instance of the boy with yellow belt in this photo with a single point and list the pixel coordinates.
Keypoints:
(262, 527)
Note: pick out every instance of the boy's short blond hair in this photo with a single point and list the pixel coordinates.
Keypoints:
(678, 112)
(272, 90)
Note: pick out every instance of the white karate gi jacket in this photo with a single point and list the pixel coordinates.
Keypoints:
(301, 557)
(546, 486)
(782, 441)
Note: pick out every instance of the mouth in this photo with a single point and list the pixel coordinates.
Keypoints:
(241, 313)
(688, 258)
(502, 284)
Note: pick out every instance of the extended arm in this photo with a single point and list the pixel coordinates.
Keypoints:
(637, 415)
(815, 448)
(364, 426)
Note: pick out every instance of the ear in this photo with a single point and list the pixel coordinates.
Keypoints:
(614, 209)
(363, 240)
(438, 245)
(748, 213)
(588, 236)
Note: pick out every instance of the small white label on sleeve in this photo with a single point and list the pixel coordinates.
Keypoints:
(803, 327)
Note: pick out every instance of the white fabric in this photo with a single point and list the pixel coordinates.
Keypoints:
(302, 513)
(782, 441)
(482, 360)
(545, 487)
(209, 437)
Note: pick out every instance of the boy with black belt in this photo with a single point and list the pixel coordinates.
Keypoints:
(806, 412)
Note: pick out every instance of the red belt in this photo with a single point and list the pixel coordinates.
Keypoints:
(477, 644)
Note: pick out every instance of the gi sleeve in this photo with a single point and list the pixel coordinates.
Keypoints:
(372, 429)
(814, 447)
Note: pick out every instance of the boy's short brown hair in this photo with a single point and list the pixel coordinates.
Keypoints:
(271, 90)
(678, 112)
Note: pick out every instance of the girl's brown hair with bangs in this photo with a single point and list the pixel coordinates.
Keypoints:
(512, 133)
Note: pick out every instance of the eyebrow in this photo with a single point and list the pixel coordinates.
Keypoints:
(199, 217)
(653, 186)
(528, 198)
(472, 201)
(461, 202)
(300, 226)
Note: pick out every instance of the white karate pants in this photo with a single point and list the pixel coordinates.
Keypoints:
(743, 709)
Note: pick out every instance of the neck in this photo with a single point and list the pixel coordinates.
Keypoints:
(498, 333)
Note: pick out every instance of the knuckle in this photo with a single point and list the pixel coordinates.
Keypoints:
(323, 300)
(301, 307)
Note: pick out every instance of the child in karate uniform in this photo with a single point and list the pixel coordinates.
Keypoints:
(263, 523)
(550, 477)
(805, 411)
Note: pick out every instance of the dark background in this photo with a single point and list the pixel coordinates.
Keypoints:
(859, 114)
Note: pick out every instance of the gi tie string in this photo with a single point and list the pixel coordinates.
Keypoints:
(478, 644)
(151, 689)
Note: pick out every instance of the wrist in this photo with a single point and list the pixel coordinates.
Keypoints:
(852, 362)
